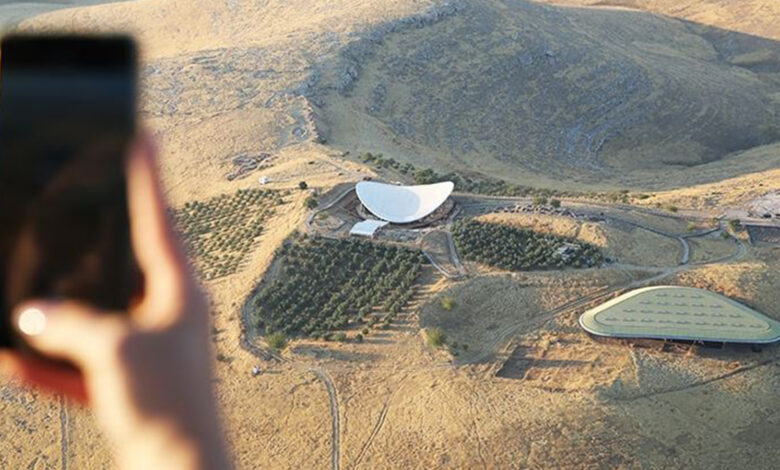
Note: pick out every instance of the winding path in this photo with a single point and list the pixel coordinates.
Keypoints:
(682, 239)
(452, 254)
(335, 433)
(505, 336)
(378, 426)
(700, 383)
(327, 206)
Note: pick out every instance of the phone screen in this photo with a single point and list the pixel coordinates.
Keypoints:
(67, 116)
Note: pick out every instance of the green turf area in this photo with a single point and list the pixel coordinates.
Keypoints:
(516, 249)
(325, 285)
(219, 232)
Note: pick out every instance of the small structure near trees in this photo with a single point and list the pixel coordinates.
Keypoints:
(367, 228)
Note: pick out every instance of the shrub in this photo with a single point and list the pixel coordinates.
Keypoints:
(311, 202)
(223, 358)
(303, 185)
(219, 232)
(359, 338)
(540, 200)
(556, 203)
(325, 284)
(448, 303)
(277, 341)
(672, 208)
(436, 337)
(340, 337)
(514, 249)
(735, 225)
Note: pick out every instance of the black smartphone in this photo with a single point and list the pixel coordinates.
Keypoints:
(67, 117)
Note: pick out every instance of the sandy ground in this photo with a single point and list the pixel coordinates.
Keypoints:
(748, 16)
(14, 11)
(622, 242)
(540, 395)
(730, 193)
(402, 404)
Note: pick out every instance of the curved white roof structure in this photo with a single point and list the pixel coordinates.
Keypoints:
(367, 228)
(680, 313)
(402, 204)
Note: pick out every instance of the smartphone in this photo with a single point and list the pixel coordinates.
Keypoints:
(67, 117)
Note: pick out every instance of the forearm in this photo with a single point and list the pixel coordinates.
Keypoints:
(168, 445)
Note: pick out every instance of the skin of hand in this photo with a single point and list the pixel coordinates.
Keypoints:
(146, 373)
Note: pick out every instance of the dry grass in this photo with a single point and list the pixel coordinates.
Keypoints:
(711, 248)
(489, 306)
(643, 112)
(753, 17)
(621, 242)
(224, 78)
(556, 225)
(728, 192)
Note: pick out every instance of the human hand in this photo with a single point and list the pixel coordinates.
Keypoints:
(145, 373)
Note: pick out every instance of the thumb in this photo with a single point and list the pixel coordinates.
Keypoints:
(67, 330)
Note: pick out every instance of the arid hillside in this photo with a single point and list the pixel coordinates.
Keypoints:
(248, 99)
(539, 94)
(755, 17)
(226, 79)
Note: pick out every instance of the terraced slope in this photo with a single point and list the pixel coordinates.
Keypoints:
(528, 90)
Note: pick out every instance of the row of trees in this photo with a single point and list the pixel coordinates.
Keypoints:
(218, 233)
(516, 249)
(477, 185)
(325, 285)
(491, 186)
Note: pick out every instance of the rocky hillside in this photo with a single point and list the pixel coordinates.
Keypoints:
(756, 17)
(530, 91)
(534, 93)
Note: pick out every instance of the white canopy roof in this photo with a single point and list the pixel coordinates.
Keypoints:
(367, 228)
(402, 204)
(682, 313)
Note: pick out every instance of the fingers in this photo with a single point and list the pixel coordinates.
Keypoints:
(39, 373)
(154, 242)
(68, 330)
